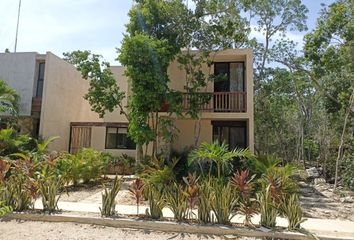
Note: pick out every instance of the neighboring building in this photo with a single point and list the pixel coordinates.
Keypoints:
(51, 93)
(227, 117)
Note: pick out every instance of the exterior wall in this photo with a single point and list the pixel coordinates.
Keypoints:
(63, 102)
(18, 71)
(98, 139)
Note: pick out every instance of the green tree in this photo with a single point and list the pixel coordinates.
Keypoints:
(8, 99)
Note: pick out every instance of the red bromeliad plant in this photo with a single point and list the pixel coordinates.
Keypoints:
(137, 190)
(243, 183)
(191, 192)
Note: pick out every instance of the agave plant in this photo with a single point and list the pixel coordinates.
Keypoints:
(137, 190)
(218, 154)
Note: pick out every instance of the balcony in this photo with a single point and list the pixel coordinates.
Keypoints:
(215, 101)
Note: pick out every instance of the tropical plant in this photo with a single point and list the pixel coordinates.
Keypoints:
(8, 99)
(137, 190)
(191, 192)
(223, 202)
(49, 189)
(4, 168)
(267, 208)
(156, 202)
(249, 208)
(291, 209)
(109, 198)
(4, 209)
(11, 142)
(204, 201)
(219, 155)
(176, 201)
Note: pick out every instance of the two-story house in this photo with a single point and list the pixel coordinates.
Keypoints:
(227, 116)
(52, 103)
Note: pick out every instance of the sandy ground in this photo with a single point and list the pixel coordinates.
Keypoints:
(28, 230)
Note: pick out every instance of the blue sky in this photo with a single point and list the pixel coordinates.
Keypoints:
(66, 25)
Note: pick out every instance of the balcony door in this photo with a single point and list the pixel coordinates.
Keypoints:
(233, 133)
(230, 77)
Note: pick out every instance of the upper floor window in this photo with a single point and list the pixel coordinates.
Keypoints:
(117, 138)
(40, 79)
(231, 77)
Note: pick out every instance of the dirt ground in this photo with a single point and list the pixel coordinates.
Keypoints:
(319, 201)
(28, 230)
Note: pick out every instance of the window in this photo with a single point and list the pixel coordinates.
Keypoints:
(117, 138)
(231, 77)
(232, 133)
(40, 80)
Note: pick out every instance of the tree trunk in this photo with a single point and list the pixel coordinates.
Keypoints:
(341, 144)
(139, 154)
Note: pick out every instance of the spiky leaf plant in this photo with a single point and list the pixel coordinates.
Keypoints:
(49, 189)
(249, 208)
(191, 192)
(204, 201)
(176, 201)
(223, 203)
(156, 202)
(291, 209)
(109, 198)
(267, 209)
(137, 190)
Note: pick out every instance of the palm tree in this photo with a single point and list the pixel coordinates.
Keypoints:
(8, 99)
(218, 154)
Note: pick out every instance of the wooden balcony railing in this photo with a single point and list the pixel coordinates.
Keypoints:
(216, 101)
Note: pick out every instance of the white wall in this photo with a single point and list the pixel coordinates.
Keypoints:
(18, 71)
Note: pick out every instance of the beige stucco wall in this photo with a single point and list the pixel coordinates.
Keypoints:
(63, 102)
(98, 138)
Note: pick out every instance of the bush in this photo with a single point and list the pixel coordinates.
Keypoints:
(348, 171)
(176, 201)
(267, 208)
(204, 201)
(292, 211)
(4, 209)
(122, 165)
(49, 190)
(156, 202)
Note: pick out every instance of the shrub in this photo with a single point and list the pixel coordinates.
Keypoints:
(223, 202)
(348, 171)
(176, 201)
(291, 209)
(137, 190)
(109, 199)
(191, 192)
(156, 202)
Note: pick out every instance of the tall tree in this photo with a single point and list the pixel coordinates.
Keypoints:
(8, 99)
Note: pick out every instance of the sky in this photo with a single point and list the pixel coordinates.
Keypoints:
(98, 25)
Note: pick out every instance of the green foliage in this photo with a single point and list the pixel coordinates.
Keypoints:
(267, 209)
(137, 190)
(124, 163)
(109, 199)
(219, 155)
(9, 99)
(204, 201)
(156, 202)
(223, 202)
(292, 210)
(104, 93)
(4, 209)
(86, 165)
(348, 171)
(11, 142)
(49, 189)
(176, 201)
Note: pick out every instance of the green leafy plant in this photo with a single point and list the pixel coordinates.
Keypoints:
(204, 201)
(291, 209)
(223, 202)
(49, 189)
(268, 210)
(156, 202)
(137, 190)
(4, 209)
(176, 201)
(109, 198)
(4, 168)
(219, 155)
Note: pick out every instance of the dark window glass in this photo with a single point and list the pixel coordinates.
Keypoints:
(117, 138)
(40, 80)
(229, 77)
(234, 136)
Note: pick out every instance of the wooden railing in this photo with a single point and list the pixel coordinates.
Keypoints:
(216, 101)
